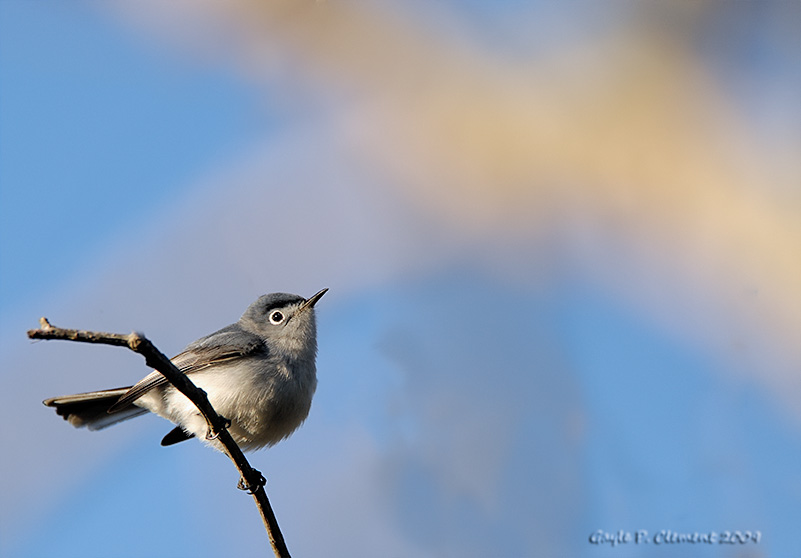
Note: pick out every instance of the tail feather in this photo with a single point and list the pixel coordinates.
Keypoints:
(92, 409)
(175, 436)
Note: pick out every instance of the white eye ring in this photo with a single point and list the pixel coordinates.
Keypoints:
(276, 317)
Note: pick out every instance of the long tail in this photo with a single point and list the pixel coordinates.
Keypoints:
(92, 409)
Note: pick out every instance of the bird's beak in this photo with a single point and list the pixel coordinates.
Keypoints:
(310, 302)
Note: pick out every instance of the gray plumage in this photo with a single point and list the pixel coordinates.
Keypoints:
(259, 373)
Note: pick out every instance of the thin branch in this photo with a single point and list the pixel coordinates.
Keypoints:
(252, 480)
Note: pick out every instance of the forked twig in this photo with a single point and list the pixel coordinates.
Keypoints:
(251, 479)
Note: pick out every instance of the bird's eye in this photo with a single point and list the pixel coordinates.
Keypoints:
(276, 318)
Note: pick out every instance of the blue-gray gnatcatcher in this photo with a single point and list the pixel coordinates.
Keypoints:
(259, 373)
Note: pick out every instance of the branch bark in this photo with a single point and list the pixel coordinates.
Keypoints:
(251, 479)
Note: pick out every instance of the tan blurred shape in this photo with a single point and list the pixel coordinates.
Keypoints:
(621, 144)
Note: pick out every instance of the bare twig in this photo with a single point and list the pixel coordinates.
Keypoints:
(252, 480)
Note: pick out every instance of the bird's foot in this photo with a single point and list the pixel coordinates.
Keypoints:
(255, 482)
(226, 425)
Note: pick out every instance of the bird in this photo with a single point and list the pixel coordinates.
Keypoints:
(258, 373)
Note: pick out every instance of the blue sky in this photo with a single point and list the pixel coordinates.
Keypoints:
(98, 129)
(549, 313)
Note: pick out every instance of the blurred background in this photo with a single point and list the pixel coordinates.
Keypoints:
(563, 242)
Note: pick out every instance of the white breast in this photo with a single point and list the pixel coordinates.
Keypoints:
(265, 402)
